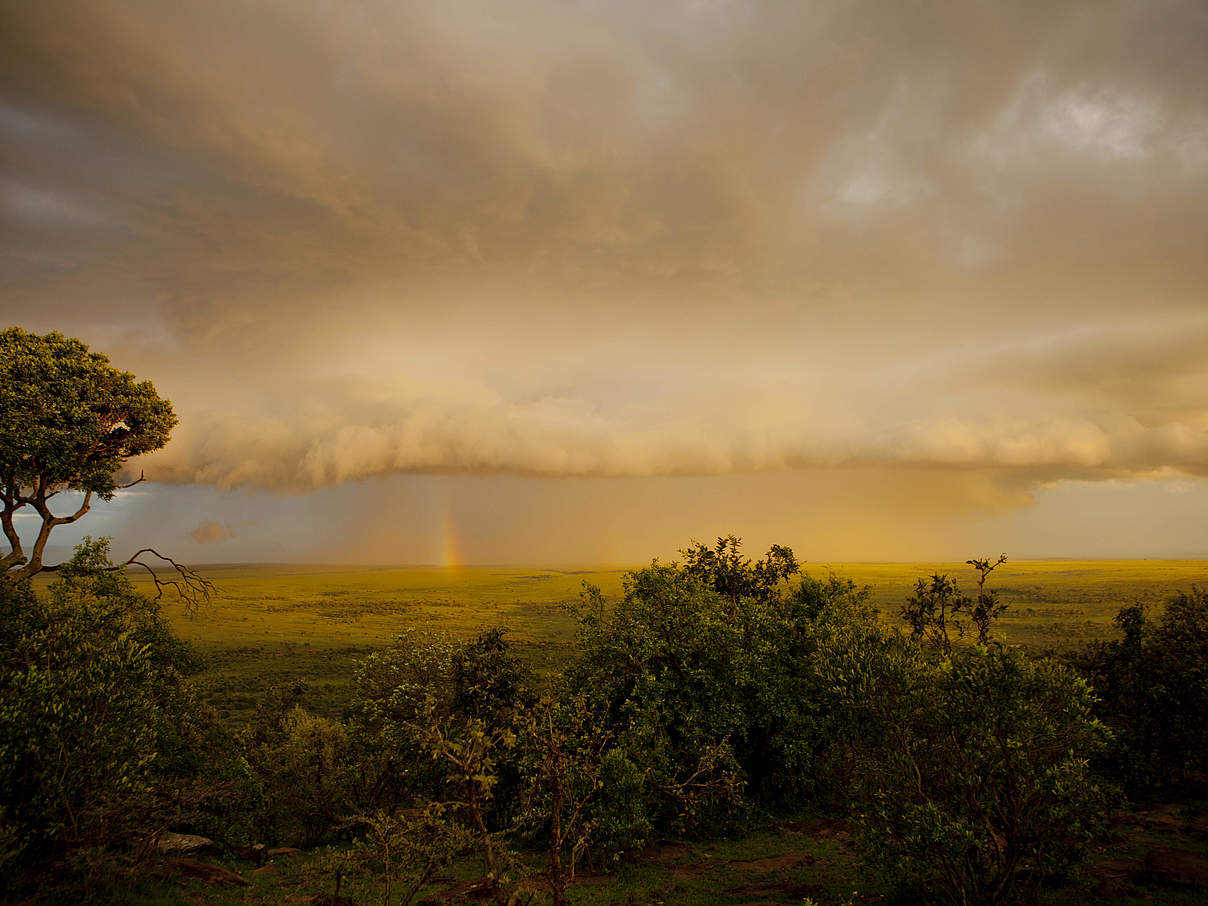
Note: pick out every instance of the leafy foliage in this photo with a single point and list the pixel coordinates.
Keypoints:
(933, 609)
(1154, 689)
(407, 850)
(663, 672)
(563, 761)
(974, 777)
(734, 576)
(427, 678)
(68, 421)
(714, 703)
(986, 607)
(300, 759)
(101, 741)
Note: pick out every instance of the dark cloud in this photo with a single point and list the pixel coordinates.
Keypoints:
(622, 240)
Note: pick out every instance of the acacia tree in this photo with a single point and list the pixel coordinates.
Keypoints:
(69, 421)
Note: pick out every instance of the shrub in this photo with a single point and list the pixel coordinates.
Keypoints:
(407, 850)
(300, 759)
(713, 700)
(974, 778)
(424, 681)
(1153, 685)
(101, 740)
(663, 673)
(933, 609)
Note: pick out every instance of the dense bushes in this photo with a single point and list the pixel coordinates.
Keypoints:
(968, 769)
(716, 690)
(1153, 686)
(101, 740)
(974, 776)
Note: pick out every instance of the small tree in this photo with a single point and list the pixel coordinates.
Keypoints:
(409, 848)
(933, 609)
(468, 749)
(1153, 689)
(565, 752)
(69, 421)
(986, 607)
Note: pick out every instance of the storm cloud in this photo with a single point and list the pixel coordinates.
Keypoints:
(623, 239)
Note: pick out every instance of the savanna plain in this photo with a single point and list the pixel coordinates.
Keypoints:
(273, 623)
(306, 628)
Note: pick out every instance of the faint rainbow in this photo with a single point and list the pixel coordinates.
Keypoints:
(451, 555)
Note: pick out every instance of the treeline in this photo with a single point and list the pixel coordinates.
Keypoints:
(717, 691)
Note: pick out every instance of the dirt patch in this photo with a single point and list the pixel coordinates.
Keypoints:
(818, 827)
(477, 889)
(1114, 878)
(210, 875)
(775, 863)
(792, 891)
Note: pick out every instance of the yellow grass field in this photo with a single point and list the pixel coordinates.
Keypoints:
(1049, 602)
(276, 624)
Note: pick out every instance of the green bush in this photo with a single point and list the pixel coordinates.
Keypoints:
(1153, 686)
(101, 740)
(422, 681)
(663, 672)
(974, 778)
(708, 682)
(300, 759)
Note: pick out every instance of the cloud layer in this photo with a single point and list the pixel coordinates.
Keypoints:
(620, 239)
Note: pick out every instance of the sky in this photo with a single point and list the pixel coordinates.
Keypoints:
(579, 282)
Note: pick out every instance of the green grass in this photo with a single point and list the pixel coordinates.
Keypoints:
(269, 625)
(777, 865)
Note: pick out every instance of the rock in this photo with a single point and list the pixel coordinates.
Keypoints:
(284, 851)
(1177, 866)
(171, 844)
(257, 853)
(266, 870)
(209, 874)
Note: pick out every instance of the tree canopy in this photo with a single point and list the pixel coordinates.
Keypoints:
(68, 422)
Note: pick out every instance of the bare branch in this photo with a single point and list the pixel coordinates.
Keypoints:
(190, 586)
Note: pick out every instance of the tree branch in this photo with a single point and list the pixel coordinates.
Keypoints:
(191, 587)
(18, 566)
(142, 476)
(15, 556)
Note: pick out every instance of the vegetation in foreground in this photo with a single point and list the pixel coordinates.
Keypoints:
(715, 696)
(310, 625)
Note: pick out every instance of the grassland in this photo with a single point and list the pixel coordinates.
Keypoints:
(288, 624)
(284, 624)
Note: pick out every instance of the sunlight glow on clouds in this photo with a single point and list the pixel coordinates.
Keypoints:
(624, 241)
